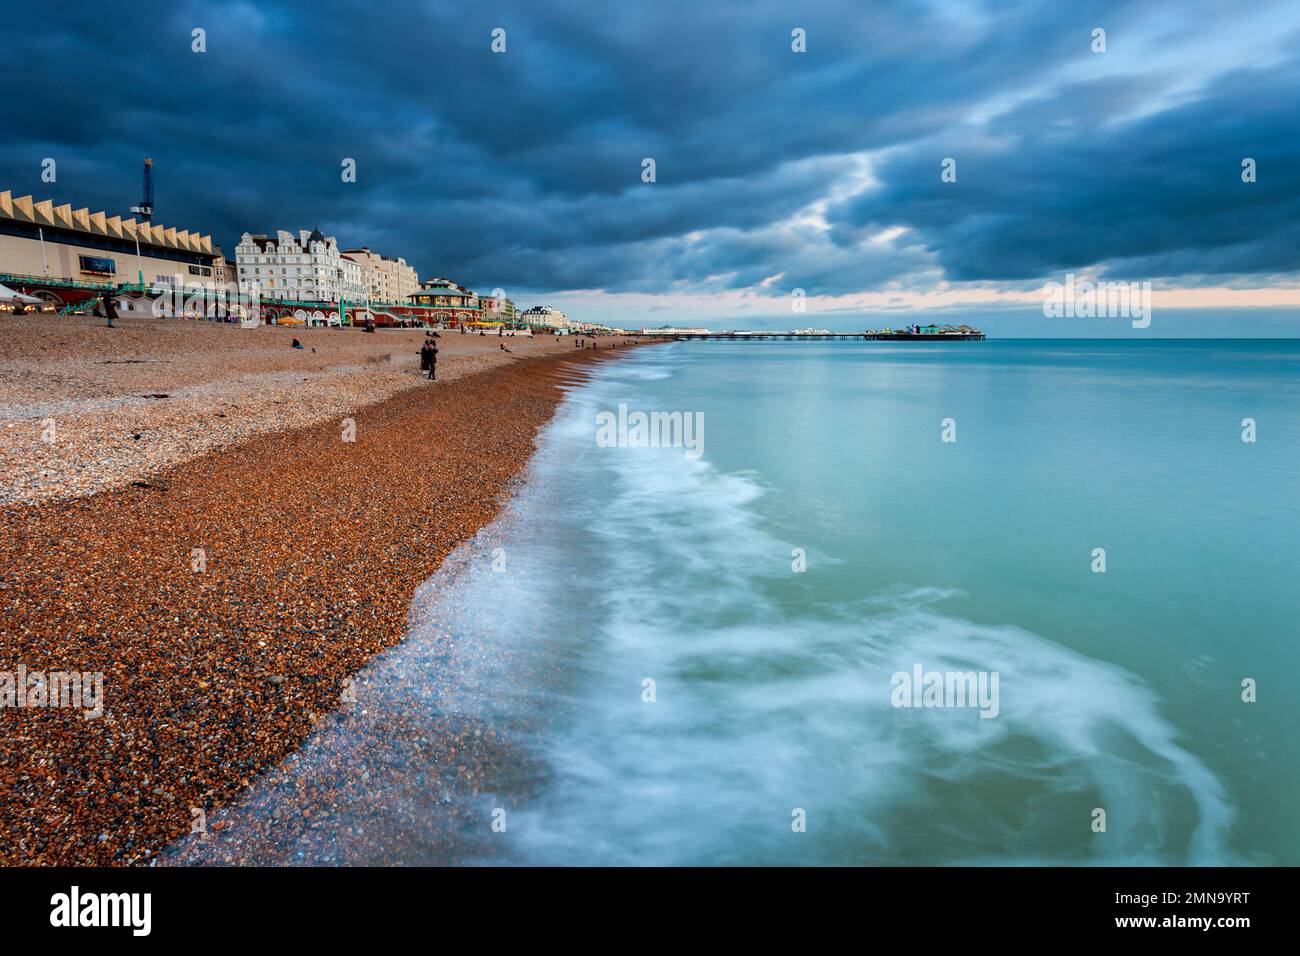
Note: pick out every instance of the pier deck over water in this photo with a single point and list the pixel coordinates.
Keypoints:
(831, 336)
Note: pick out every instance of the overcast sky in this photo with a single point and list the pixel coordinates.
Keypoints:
(775, 170)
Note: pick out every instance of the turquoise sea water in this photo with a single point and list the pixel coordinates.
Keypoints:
(1119, 690)
(773, 693)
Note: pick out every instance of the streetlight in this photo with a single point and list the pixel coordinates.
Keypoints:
(139, 263)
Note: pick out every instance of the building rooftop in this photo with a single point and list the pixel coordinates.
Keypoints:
(45, 213)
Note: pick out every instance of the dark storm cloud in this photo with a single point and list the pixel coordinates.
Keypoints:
(1057, 184)
(523, 170)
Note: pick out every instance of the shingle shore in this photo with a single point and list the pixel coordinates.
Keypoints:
(84, 408)
(312, 548)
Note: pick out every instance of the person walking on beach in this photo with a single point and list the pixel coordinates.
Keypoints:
(433, 362)
(424, 356)
(110, 311)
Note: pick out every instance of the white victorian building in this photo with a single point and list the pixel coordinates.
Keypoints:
(308, 268)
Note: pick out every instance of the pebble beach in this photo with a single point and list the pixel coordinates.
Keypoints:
(201, 531)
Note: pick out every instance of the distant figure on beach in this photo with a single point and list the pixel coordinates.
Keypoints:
(296, 344)
(503, 347)
(433, 362)
(110, 310)
(426, 355)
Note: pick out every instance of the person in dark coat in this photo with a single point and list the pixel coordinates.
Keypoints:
(110, 310)
(424, 356)
(433, 362)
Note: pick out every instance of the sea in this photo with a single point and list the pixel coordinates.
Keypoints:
(873, 603)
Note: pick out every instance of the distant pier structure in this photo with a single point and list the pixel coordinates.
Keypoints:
(914, 333)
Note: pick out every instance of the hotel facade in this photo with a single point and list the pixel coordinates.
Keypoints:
(546, 317)
(543, 316)
(303, 268)
(386, 280)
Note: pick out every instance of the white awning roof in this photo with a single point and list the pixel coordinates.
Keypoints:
(9, 295)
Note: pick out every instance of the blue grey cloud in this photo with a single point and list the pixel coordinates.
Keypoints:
(522, 170)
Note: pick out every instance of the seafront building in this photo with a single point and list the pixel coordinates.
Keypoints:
(65, 259)
(306, 268)
(62, 245)
(223, 271)
(386, 279)
(498, 309)
(451, 302)
(545, 317)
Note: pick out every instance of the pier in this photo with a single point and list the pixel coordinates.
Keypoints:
(974, 335)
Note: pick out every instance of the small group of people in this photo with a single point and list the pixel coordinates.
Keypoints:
(429, 356)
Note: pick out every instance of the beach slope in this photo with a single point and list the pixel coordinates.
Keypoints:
(227, 597)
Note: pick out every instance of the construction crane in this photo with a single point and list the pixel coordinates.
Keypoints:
(145, 209)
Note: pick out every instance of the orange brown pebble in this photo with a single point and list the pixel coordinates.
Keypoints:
(314, 547)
